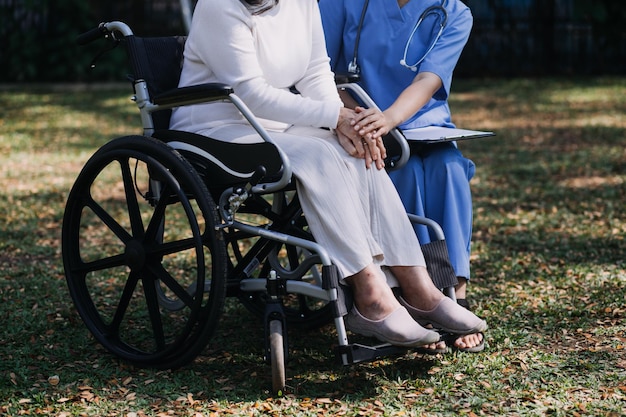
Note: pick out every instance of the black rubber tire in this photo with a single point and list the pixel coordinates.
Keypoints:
(116, 234)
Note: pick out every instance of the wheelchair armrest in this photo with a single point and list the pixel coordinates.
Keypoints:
(193, 94)
(346, 77)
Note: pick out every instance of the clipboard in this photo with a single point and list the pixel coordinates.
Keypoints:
(435, 134)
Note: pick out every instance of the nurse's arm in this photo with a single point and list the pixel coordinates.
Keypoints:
(409, 102)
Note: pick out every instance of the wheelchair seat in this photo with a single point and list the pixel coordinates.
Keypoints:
(224, 164)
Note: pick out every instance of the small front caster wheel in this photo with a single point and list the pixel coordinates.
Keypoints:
(277, 356)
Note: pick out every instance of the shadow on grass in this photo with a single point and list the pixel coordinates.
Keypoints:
(48, 339)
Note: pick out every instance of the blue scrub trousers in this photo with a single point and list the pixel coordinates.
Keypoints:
(434, 183)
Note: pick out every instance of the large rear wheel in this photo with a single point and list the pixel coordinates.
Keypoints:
(145, 267)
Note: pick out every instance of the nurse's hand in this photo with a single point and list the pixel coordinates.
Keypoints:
(372, 123)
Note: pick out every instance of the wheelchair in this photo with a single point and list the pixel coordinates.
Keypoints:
(160, 227)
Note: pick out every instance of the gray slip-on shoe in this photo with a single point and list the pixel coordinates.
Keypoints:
(398, 328)
(447, 316)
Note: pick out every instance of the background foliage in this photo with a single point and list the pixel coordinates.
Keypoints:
(510, 37)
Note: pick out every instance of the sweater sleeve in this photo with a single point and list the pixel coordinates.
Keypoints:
(224, 38)
(318, 81)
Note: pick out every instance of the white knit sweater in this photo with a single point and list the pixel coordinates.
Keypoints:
(261, 57)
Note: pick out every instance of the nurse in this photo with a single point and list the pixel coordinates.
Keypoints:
(405, 52)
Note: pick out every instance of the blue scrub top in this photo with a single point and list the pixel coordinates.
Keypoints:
(384, 34)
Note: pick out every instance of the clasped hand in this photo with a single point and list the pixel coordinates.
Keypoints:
(360, 133)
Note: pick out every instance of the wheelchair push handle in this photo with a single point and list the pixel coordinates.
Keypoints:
(103, 30)
(91, 35)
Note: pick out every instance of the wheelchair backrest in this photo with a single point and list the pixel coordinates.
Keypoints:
(158, 61)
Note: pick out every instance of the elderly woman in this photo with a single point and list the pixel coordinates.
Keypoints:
(263, 48)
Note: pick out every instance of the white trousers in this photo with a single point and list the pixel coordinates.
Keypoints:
(353, 212)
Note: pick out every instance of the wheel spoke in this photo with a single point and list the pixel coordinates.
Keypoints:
(101, 264)
(131, 199)
(124, 302)
(154, 311)
(156, 222)
(109, 221)
(171, 283)
(173, 247)
(293, 255)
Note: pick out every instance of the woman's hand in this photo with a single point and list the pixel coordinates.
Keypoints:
(371, 125)
(357, 146)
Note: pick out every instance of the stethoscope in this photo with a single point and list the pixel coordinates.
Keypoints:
(353, 66)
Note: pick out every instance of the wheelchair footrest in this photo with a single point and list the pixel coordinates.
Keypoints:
(356, 353)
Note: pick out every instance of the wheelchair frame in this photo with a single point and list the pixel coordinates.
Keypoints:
(181, 311)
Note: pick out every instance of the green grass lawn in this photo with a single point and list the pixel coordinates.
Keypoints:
(549, 275)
